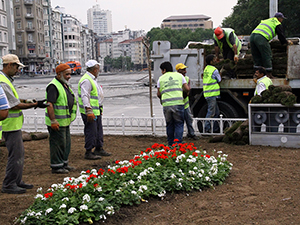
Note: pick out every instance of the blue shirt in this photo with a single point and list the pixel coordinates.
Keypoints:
(3, 100)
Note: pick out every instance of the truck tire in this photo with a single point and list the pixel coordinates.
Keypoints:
(227, 110)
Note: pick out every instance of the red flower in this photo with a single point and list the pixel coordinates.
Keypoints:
(117, 161)
(207, 156)
(80, 185)
(195, 154)
(176, 140)
(111, 171)
(101, 171)
(88, 171)
(174, 155)
(96, 185)
(47, 195)
(148, 150)
(146, 157)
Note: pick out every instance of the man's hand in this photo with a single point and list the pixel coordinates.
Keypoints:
(55, 125)
(41, 104)
(290, 42)
(217, 59)
(236, 58)
(90, 115)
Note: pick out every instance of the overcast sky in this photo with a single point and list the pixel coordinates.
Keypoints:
(145, 14)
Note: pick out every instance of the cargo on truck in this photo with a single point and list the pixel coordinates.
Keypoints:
(237, 91)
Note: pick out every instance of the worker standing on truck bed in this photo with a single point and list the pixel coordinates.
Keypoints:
(170, 88)
(226, 40)
(259, 41)
(262, 81)
(211, 91)
(188, 118)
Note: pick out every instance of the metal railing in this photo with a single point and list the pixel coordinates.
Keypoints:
(131, 125)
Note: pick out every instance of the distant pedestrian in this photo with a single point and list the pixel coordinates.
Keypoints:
(170, 88)
(90, 99)
(188, 117)
(59, 115)
(11, 126)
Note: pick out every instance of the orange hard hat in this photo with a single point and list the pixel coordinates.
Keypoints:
(219, 33)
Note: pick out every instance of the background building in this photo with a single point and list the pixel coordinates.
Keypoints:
(71, 38)
(190, 21)
(87, 40)
(100, 21)
(9, 8)
(30, 35)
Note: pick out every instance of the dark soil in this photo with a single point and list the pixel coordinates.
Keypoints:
(263, 187)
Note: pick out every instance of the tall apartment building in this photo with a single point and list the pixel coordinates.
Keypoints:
(117, 38)
(71, 38)
(9, 7)
(100, 21)
(53, 36)
(88, 48)
(138, 53)
(105, 49)
(189, 21)
(30, 35)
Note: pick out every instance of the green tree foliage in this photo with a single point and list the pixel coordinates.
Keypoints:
(121, 63)
(179, 38)
(247, 14)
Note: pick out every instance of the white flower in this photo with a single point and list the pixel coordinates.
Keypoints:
(86, 198)
(219, 152)
(23, 221)
(162, 194)
(71, 210)
(54, 186)
(39, 189)
(101, 199)
(48, 211)
(133, 192)
(63, 206)
(103, 217)
(39, 196)
(173, 176)
(109, 210)
(192, 172)
(131, 182)
(65, 199)
(157, 164)
(118, 191)
(99, 189)
(143, 187)
(150, 169)
(38, 214)
(207, 178)
(83, 207)
(179, 184)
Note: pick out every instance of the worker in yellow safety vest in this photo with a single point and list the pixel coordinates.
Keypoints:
(226, 40)
(259, 41)
(58, 117)
(171, 87)
(12, 125)
(211, 91)
(262, 81)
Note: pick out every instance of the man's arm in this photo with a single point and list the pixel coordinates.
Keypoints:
(158, 93)
(25, 105)
(50, 110)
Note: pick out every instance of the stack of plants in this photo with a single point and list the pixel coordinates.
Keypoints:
(94, 195)
(276, 94)
(237, 134)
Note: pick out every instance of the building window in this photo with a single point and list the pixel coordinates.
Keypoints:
(30, 37)
(5, 37)
(18, 25)
(17, 11)
(4, 21)
(29, 24)
(28, 9)
(3, 5)
(0, 36)
(20, 38)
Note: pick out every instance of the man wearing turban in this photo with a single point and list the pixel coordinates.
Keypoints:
(59, 115)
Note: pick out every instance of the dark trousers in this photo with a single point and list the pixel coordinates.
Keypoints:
(60, 146)
(228, 53)
(15, 161)
(93, 132)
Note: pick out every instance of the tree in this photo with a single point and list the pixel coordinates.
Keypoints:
(247, 14)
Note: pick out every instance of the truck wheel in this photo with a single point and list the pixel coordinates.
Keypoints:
(227, 110)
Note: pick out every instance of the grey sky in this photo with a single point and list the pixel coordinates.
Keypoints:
(145, 14)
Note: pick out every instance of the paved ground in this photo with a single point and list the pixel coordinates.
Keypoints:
(124, 93)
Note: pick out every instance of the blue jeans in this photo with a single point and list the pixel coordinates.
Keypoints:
(189, 122)
(174, 116)
(212, 112)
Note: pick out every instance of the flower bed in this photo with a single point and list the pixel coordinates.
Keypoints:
(95, 194)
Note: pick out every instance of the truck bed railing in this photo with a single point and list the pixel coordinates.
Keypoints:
(124, 125)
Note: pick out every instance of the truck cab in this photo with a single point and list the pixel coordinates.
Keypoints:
(75, 67)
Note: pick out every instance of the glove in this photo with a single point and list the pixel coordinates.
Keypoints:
(290, 42)
(55, 125)
(41, 104)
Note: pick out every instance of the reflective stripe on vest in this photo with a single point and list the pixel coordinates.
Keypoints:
(267, 28)
(171, 89)
(94, 99)
(186, 100)
(210, 85)
(61, 109)
(14, 120)
(266, 81)
(227, 32)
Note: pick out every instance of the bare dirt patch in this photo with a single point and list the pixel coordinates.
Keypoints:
(263, 187)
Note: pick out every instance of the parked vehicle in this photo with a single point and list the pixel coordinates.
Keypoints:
(235, 93)
(75, 67)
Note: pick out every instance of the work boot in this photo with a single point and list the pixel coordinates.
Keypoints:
(101, 152)
(194, 137)
(14, 190)
(91, 156)
(60, 171)
(69, 168)
(26, 186)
